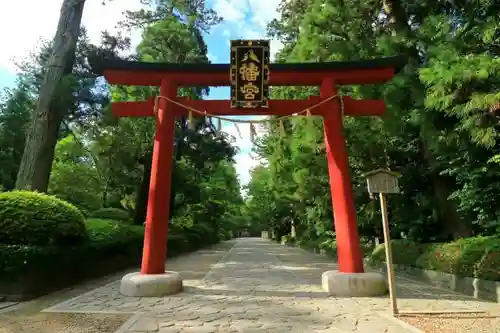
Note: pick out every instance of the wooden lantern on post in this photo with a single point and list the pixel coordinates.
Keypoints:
(383, 181)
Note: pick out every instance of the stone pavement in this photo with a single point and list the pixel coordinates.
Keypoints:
(260, 286)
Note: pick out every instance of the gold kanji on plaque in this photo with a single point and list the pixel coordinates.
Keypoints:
(249, 74)
(249, 90)
(249, 71)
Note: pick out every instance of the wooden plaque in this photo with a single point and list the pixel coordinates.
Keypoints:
(382, 181)
(249, 73)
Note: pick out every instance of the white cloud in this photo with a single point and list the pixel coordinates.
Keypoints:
(231, 10)
(248, 19)
(32, 21)
(97, 17)
(19, 36)
(264, 11)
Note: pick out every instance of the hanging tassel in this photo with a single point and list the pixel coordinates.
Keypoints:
(253, 132)
(282, 128)
(238, 130)
(190, 120)
(308, 113)
(219, 125)
(155, 110)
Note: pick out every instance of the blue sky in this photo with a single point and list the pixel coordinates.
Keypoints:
(243, 19)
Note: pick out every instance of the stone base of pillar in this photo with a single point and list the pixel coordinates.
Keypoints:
(336, 283)
(151, 285)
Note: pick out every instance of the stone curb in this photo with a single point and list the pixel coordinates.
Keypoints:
(401, 323)
(474, 287)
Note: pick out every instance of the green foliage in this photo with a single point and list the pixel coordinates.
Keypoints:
(15, 107)
(287, 240)
(329, 246)
(32, 270)
(103, 230)
(469, 257)
(30, 218)
(115, 214)
(404, 252)
(458, 257)
(74, 178)
(440, 130)
(487, 266)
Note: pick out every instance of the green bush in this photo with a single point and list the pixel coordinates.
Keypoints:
(288, 240)
(108, 231)
(488, 267)
(106, 240)
(225, 234)
(329, 245)
(33, 270)
(462, 256)
(177, 244)
(404, 252)
(308, 244)
(31, 218)
(116, 214)
(469, 257)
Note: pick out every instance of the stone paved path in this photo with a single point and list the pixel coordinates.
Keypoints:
(260, 286)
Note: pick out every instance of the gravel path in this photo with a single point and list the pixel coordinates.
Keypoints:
(454, 322)
(61, 323)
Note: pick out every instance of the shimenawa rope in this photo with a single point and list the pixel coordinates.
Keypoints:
(306, 111)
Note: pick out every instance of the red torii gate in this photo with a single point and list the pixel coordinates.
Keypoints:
(169, 77)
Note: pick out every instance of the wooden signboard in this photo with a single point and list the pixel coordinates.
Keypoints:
(249, 73)
(382, 181)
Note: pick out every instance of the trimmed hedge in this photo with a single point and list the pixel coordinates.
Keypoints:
(477, 257)
(31, 218)
(115, 214)
(46, 244)
(27, 271)
(31, 270)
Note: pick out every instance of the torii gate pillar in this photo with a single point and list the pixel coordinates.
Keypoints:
(153, 280)
(344, 212)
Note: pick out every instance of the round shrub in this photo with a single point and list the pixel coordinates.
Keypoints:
(115, 214)
(31, 218)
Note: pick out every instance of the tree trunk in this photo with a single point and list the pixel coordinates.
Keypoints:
(36, 163)
(141, 205)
